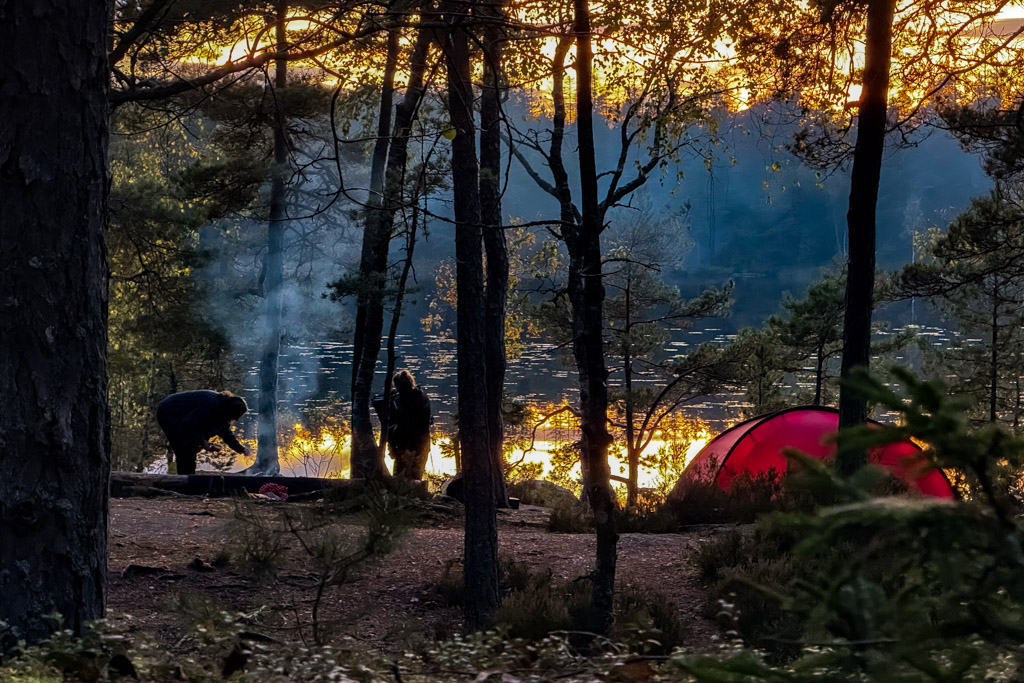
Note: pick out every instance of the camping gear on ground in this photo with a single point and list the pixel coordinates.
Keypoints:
(755, 447)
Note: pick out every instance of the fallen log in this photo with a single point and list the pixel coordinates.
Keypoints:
(129, 484)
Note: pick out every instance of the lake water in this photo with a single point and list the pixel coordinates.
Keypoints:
(318, 376)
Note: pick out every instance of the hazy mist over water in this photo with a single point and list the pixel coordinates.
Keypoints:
(770, 231)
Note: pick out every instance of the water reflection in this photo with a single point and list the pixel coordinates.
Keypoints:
(316, 379)
(327, 456)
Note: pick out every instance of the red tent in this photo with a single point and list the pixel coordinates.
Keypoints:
(755, 447)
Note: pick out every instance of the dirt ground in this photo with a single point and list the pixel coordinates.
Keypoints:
(391, 605)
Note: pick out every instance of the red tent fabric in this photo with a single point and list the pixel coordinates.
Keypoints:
(755, 447)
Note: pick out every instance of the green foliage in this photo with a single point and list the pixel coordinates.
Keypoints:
(886, 588)
(539, 607)
(971, 275)
(651, 515)
(513, 577)
(647, 621)
(750, 574)
(534, 606)
(527, 260)
(564, 458)
(330, 550)
(748, 497)
(577, 519)
(98, 655)
(259, 537)
(762, 363)
(225, 647)
(991, 129)
(197, 612)
(679, 435)
(159, 340)
(551, 658)
(235, 651)
(644, 621)
(801, 347)
(813, 329)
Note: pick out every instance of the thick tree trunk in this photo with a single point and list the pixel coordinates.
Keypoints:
(586, 292)
(496, 292)
(54, 424)
(860, 219)
(266, 430)
(366, 457)
(481, 539)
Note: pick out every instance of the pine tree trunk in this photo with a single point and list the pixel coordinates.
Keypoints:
(480, 564)
(54, 423)
(396, 317)
(560, 176)
(586, 293)
(375, 201)
(366, 457)
(266, 429)
(632, 441)
(993, 380)
(495, 246)
(819, 376)
(378, 164)
(147, 421)
(860, 219)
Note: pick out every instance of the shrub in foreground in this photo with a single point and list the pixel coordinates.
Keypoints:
(884, 588)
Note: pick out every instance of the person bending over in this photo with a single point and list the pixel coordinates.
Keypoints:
(190, 419)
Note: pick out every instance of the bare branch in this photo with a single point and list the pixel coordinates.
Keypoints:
(141, 25)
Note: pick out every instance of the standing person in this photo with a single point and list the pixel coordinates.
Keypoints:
(191, 418)
(409, 423)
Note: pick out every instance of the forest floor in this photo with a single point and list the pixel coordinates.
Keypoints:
(173, 562)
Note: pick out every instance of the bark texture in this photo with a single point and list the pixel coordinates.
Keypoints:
(54, 424)
(367, 460)
(266, 450)
(480, 563)
(396, 316)
(495, 246)
(860, 218)
(378, 164)
(377, 167)
(586, 293)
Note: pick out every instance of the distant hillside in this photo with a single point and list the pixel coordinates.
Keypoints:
(771, 230)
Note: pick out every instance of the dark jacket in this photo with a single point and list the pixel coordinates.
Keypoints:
(191, 418)
(409, 419)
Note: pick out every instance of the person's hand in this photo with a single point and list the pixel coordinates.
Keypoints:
(212, 447)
